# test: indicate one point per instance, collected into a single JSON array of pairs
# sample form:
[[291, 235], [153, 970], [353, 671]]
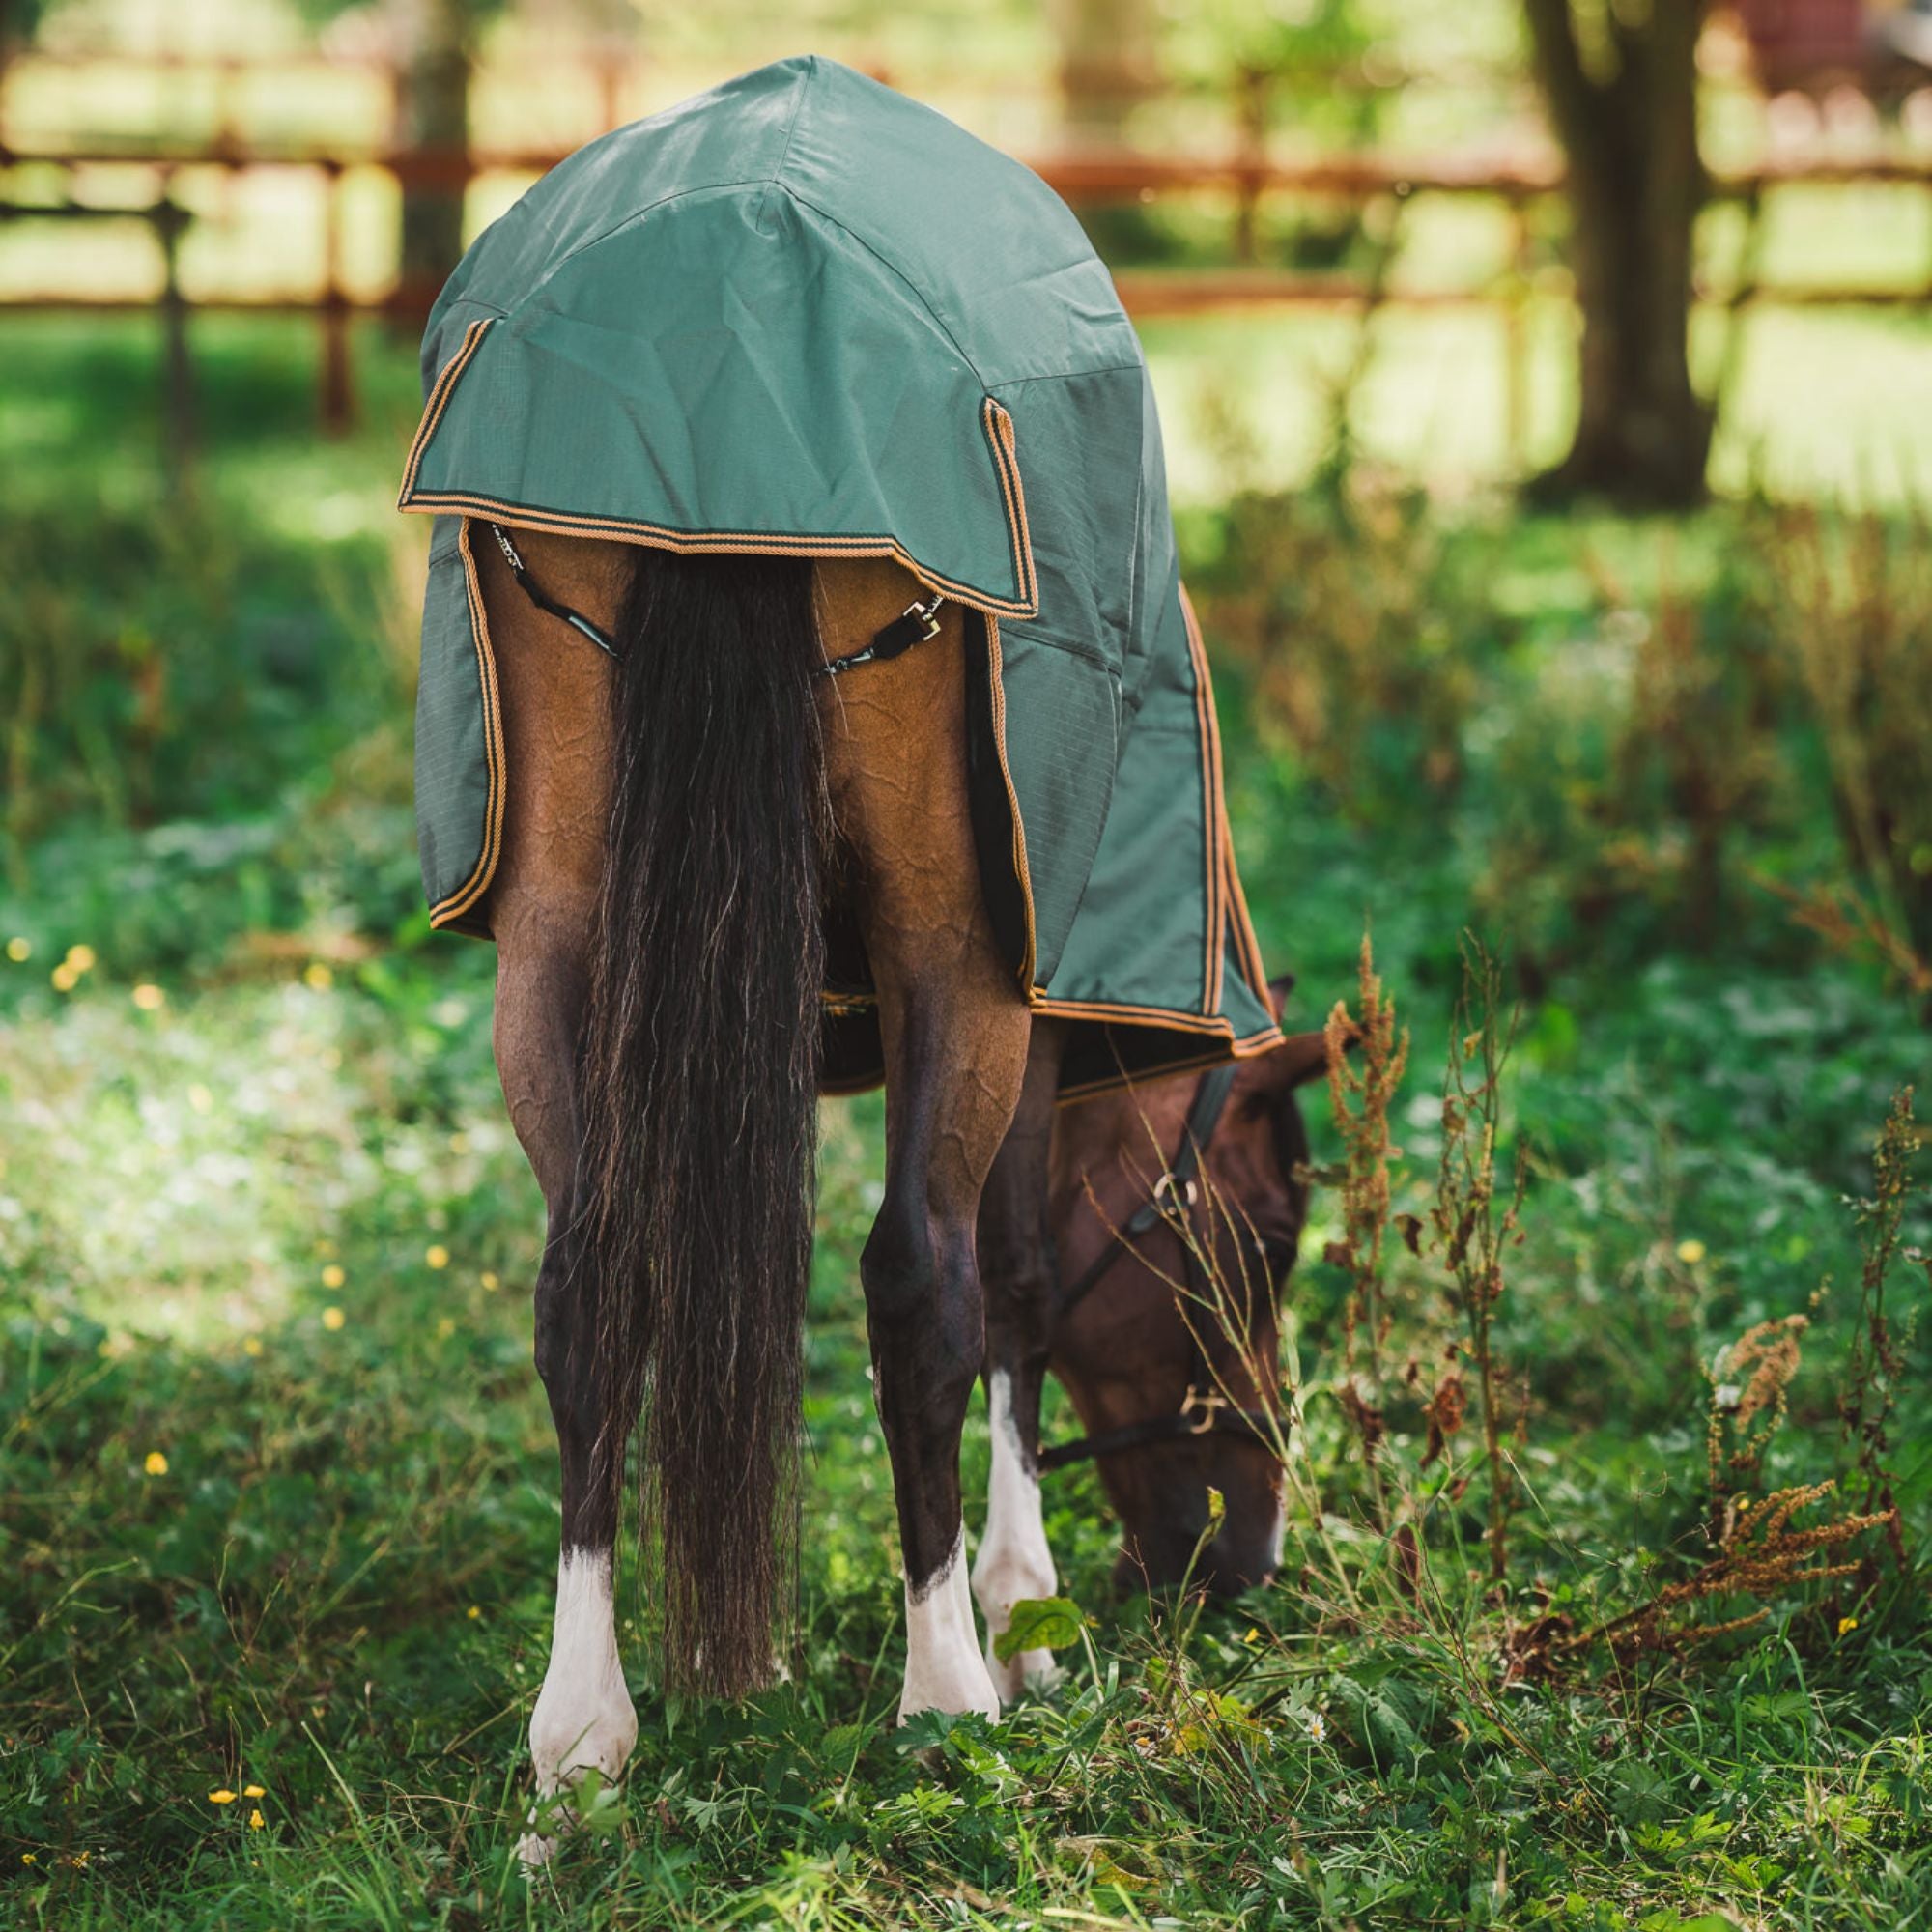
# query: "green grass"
[[340, 1586]]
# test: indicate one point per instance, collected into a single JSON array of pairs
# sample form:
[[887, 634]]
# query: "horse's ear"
[[1300, 1058], [1279, 989]]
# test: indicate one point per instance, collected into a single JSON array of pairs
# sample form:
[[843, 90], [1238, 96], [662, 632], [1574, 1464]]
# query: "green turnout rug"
[[802, 313]]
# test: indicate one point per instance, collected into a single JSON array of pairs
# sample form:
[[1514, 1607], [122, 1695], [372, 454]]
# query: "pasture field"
[[277, 1503]]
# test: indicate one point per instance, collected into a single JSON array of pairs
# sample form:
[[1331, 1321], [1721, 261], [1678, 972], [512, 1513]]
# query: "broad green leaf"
[[1039, 1623]]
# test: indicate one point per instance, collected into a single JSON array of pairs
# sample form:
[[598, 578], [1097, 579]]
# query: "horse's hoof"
[[1030, 1670]]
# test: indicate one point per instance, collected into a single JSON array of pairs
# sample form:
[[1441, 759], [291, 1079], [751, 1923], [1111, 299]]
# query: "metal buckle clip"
[[1199, 1410], [1163, 1191]]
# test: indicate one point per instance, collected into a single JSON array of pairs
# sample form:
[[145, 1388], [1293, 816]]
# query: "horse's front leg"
[[1016, 1262], [950, 1087]]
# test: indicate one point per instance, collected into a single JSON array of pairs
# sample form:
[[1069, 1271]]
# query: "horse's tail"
[[701, 1089]]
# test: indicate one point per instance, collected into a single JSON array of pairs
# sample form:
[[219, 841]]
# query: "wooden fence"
[[1380, 190]]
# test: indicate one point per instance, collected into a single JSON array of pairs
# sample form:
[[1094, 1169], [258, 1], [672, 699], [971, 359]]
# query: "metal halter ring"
[[1199, 1410]]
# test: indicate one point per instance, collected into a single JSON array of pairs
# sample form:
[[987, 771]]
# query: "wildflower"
[[156, 1463], [80, 958], [1847, 1625], [1318, 1727], [64, 977], [255, 1819], [149, 996], [445, 1328], [437, 1255], [333, 1319], [28, 1858], [332, 1275], [1691, 1253], [1251, 1635], [251, 1344], [222, 1796], [254, 1791], [475, 1612], [1744, 1503], [18, 949], [490, 1282], [319, 978], [459, 1143]]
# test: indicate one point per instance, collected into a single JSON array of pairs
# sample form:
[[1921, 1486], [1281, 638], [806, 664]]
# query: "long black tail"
[[701, 1083]]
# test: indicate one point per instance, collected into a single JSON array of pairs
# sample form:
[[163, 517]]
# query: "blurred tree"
[[1620, 81], [1108, 66], [437, 40], [440, 41]]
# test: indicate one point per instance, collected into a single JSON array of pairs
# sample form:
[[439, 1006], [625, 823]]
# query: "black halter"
[[915, 623], [1203, 1409]]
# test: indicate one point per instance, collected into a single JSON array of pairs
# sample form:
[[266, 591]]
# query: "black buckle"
[[915, 623]]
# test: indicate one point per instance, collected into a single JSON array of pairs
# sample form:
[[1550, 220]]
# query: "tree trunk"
[[1627, 119], [434, 119]]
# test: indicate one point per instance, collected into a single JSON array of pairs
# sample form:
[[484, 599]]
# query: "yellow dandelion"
[[157, 1464], [1691, 1253], [223, 1797], [1847, 1625], [490, 1282], [251, 1344], [333, 1319], [332, 1276], [255, 1820], [80, 958], [319, 976], [18, 949], [149, 996], [254, 1791], [64, 978], [475, 1612], [437, 1255]]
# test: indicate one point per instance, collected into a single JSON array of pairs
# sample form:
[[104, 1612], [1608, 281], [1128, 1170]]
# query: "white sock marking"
[[1014, 1560], [944, 1668], [584, 1718]]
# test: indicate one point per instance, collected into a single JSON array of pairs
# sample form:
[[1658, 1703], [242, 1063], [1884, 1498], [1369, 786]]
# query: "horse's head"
[[1156, 1330]]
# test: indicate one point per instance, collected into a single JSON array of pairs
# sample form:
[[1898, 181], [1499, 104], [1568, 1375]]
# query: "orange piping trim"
[[997, 667], [439, 394], [1234, 907], [477, 884], [751, 543], [998, 425], [1211, 806]]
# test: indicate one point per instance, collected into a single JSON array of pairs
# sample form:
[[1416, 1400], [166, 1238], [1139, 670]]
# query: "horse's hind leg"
[[955, 1033], [543, 910]]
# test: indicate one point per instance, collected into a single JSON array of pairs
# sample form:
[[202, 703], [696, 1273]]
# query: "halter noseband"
[[1203, 1409], [915, 623]]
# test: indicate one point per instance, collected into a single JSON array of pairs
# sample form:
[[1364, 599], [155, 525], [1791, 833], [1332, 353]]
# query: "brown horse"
[[688, 813]]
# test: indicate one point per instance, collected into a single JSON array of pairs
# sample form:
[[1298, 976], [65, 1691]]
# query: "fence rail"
[[1363, 182]]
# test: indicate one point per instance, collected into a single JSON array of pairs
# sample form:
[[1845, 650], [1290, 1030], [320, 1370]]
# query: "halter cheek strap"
[[915, 623], [1203, 1409]]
